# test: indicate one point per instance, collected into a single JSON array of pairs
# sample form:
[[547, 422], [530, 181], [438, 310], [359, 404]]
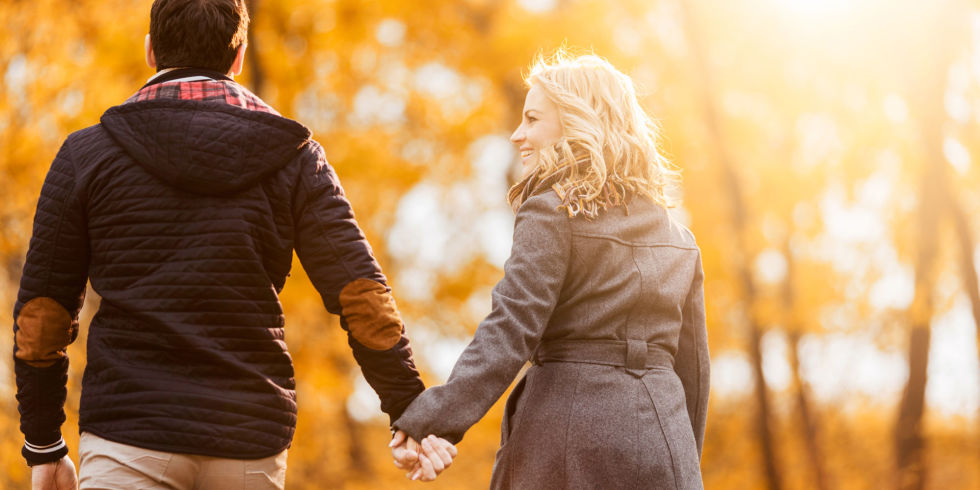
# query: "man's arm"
[[341, 265], [52, 289]]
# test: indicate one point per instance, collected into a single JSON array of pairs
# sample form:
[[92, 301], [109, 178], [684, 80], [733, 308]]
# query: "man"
[[183, 208]]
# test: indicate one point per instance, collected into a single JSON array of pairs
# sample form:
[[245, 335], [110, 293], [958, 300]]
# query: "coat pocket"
[[511, 410], [501, 469]]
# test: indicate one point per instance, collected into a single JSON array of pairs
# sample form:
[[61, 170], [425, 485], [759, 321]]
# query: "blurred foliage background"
[[827, 150]]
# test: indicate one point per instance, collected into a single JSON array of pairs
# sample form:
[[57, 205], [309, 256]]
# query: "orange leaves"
[[417, 100]]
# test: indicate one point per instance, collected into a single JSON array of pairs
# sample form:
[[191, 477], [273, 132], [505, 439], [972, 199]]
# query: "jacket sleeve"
[[341, 265], [692, 360], [52, 289], [523, 302]]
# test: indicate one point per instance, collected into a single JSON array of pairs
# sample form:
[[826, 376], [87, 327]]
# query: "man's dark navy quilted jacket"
[[184, 215]]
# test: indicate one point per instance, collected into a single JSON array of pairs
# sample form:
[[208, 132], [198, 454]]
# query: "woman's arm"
[[692, 362], [522, 305]]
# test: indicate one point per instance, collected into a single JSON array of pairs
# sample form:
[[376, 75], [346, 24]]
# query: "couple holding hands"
[[183, 208]]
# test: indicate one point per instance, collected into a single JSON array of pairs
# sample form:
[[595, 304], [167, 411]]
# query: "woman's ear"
[[151, 59]]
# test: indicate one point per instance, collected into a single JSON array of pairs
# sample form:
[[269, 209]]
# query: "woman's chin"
[[527, 166]]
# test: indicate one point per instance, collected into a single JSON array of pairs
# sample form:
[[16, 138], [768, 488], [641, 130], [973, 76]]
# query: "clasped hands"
[[423, 460]]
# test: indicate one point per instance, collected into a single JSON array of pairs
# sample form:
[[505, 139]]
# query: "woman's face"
[[540, 128]]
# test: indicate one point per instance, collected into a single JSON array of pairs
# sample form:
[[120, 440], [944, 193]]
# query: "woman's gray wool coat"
[[611, 313]]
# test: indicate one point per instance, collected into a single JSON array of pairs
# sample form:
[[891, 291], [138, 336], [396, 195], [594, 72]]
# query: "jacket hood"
[[204, 148]]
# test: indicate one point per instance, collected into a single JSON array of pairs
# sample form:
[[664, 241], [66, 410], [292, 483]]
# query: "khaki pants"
[[110, 465]]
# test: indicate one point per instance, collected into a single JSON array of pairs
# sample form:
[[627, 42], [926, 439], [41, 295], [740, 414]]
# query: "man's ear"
[[239, 63], [151, 59]]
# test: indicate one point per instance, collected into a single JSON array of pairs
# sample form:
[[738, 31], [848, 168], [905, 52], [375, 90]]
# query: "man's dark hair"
[[197, 33]]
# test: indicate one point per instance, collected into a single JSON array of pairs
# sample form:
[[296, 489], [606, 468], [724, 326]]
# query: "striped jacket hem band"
[[50, 448]]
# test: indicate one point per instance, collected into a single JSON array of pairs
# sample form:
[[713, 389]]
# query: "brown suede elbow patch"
[[371, 314], [44, 330]]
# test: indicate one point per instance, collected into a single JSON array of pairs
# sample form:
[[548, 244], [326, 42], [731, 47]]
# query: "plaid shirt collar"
[[215, 87]]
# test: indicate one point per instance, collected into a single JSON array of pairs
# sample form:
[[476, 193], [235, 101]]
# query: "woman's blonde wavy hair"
[[609, 147]]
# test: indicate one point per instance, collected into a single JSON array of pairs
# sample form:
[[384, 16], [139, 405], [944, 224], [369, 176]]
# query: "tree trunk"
[[935, 32], [358, 458], [968, 268], [909, 442], [763, 413], [743, 255], [359, 461], [808, 417]]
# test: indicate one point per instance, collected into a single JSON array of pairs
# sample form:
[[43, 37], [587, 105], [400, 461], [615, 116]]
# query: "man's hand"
[[58, 475], [436, 455], [405, 451]]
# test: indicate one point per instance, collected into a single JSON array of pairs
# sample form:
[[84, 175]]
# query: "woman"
[[602, 293]]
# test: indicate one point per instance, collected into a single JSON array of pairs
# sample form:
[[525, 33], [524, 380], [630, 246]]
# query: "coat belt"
[[635, 355]]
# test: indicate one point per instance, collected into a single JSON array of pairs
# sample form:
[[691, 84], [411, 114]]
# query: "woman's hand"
[[435, 456]]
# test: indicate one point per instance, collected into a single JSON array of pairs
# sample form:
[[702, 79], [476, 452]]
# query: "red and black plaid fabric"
[[205, 90]]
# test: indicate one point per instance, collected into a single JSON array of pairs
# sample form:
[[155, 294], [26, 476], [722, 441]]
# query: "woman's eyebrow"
[[529, 111]]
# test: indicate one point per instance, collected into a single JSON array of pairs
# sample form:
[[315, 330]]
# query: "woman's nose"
[[517, 136]]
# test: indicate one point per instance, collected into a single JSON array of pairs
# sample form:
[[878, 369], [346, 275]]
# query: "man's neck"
[[182, 74], [164, 71]]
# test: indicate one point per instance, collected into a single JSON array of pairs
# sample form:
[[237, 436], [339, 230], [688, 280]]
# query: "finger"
[[450, 447], [56, 477], [430, 453], [439, 451], [444, 447], [404, 456], [429, 472], [403, 451], [408, 451], [40, 476], [397, 439], [415, 472]]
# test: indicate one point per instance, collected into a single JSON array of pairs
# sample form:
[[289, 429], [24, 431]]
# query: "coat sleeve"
[[51, 293], [692, 360], [523, 302], [342, 267]]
